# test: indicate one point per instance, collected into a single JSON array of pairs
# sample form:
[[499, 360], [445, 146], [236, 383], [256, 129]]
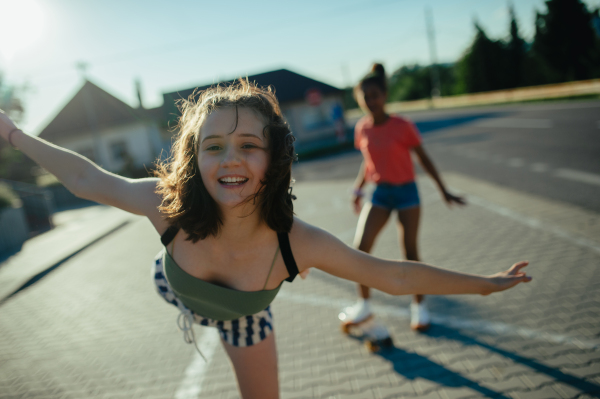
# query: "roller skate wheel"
[[372, 346], [345, 328]]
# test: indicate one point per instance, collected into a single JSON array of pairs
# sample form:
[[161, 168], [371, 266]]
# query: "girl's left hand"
[[508, 279], [450, 199]]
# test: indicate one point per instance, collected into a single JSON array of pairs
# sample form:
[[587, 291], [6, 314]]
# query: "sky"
[[181, 44]]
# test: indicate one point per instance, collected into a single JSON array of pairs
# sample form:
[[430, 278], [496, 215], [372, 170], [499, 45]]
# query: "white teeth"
[[232, 179]]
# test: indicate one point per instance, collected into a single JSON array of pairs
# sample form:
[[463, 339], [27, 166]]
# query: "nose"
[[230, 157]]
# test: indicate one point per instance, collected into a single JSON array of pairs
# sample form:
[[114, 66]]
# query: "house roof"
[[90, 107], [289, 86]]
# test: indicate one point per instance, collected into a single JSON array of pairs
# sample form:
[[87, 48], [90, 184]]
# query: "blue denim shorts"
[[396, 196]]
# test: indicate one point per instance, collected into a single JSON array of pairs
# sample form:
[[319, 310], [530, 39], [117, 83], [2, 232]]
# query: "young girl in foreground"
[[386, 142], [223, 208]]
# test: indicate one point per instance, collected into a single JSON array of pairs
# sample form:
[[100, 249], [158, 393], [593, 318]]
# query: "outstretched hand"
[[508, 279], [453, 199]]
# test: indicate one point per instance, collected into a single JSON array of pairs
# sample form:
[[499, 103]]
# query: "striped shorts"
[[245, 331]]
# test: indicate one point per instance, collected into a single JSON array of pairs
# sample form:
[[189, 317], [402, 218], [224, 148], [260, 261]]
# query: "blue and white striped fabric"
[[245, 331]]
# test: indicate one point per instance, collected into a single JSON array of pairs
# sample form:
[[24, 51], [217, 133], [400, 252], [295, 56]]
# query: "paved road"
[[93, 327]]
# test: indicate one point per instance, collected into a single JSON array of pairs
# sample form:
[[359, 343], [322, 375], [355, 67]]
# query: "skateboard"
[[373, 334]]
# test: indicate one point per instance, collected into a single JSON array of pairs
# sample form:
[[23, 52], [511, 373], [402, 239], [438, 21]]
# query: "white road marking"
[[191, 386], [516, 123], [578, 176], [480, 326], [535, 223], [539, 167]]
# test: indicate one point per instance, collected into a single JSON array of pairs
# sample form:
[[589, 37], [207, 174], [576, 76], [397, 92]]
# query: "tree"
[[483, 66], [10, 101], [413, 82], [566, 42], [13, 164], [516, 49]]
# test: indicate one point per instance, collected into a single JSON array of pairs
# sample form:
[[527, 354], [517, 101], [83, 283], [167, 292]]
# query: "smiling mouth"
[[233, 181]]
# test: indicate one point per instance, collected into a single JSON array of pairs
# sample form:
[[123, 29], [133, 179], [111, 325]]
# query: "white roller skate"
[[358, 321], [419, 317], [355, 315]]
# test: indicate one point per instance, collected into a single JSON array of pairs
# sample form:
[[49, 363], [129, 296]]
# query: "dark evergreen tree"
[[483, 66], [516, 49], [566, 42]]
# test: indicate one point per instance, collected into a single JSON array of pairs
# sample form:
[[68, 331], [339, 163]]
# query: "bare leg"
[[256, 368], [371, 221], [408, 228]]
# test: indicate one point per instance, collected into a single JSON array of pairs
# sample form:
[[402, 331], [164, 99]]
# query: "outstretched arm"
[[84, 178], [318, 248], [429, 167]]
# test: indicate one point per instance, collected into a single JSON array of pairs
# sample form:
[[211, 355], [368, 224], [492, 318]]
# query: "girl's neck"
[[380, 118], [241, 224]]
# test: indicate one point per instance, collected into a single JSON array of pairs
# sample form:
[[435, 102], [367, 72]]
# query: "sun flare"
[[22, 25]]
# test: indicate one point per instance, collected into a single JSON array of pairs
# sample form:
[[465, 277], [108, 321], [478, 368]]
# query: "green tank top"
[[217, 302]]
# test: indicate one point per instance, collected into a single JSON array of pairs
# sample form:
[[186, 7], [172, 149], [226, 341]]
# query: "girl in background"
[[386, 142]]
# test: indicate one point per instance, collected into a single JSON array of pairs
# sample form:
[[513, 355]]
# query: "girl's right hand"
[[508, 279], [6, 125]]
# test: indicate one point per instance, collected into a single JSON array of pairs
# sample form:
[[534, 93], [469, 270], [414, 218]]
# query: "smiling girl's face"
[[232, 162]]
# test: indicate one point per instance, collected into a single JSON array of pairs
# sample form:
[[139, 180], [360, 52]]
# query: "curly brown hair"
[[185, 201]]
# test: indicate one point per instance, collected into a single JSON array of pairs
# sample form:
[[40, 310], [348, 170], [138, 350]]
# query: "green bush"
[[7, 196]]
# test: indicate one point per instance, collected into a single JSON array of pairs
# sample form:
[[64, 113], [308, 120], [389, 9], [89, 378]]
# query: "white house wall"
[[142, 142]]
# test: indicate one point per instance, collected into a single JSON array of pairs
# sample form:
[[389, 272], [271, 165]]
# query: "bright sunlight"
[[22, 25]]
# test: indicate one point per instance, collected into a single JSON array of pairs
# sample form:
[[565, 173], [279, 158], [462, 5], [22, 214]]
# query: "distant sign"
[[314, 97]]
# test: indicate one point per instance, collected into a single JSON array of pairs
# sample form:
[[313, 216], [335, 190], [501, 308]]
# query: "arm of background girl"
[[429, 167], [358, 184], [84, 178], [314, 247]]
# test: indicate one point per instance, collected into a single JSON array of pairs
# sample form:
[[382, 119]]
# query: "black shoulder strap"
[[288, 257], [168, 235]]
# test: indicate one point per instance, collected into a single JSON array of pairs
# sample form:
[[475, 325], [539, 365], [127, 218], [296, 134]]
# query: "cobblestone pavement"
[[95, 328]]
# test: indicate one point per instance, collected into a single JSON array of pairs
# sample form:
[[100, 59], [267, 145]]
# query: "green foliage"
[[349, 102], [10, 100], [413, 82], [14, 165], [566, 42], [8, 198], [565, 48]]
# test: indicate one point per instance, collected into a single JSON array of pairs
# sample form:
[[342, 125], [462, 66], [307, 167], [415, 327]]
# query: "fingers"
[[514, 269]]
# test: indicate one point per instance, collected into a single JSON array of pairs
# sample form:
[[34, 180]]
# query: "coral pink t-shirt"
[[386, 149]]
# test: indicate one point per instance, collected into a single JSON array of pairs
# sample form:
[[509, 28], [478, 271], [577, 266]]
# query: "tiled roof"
[[106, 111]]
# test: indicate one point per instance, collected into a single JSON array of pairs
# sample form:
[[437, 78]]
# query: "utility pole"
[[435, 74]]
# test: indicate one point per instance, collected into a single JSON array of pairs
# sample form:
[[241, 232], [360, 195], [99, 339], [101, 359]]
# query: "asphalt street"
[[551, 149], [92, 325]]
